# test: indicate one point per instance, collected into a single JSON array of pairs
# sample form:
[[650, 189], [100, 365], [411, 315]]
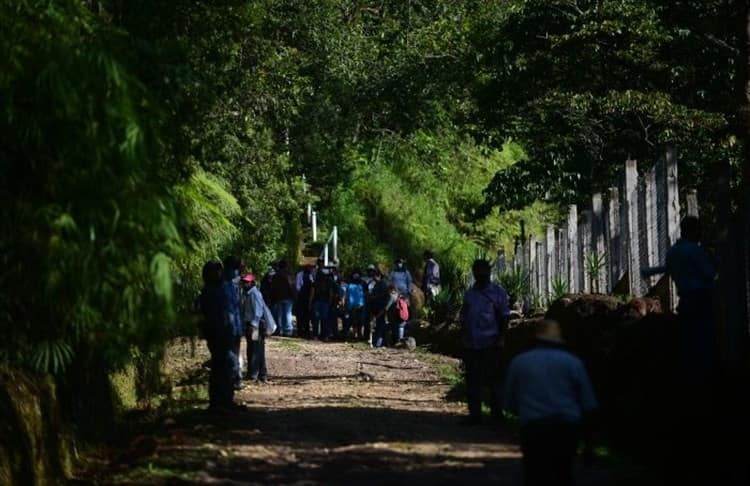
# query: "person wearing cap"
[[255, 330], [400, 277], [549, 390], [217, 331], [431, 278], [484, 316]]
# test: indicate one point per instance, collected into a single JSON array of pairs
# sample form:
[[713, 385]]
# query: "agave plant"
[[560, 288], [595, 263], [516, 283]]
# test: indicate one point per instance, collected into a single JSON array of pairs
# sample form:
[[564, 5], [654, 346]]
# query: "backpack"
[[402, 306], [355, 296]]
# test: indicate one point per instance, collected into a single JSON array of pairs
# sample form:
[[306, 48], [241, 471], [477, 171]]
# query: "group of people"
[[327, 304], [235, 304]]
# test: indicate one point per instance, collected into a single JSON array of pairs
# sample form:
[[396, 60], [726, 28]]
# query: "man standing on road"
[[549, 390], [401, 278], [283, 292], [217, 331], [431, 278], [254, 310], [484, 316], [232, 293]]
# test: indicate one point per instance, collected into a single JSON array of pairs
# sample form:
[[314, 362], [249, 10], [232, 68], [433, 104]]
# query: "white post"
[[309, 213], [325, 254], [673, 210], [597, 231], [585, 242], [631, 222], [615, 234], [652, 223], [551, 264], [539, 270], [692, 203], [533, 290], [336, 245], [315, 225], [573, 249], [673, 197]]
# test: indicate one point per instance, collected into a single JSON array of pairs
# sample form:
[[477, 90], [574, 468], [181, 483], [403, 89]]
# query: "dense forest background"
[[140, 138]]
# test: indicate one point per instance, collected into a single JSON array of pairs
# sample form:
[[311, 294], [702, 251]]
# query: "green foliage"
[[560, 288], [585, 85], [516, 283], [88, 225], [595, 264]]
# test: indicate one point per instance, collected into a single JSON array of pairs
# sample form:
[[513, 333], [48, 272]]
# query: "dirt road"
[[334, 413]]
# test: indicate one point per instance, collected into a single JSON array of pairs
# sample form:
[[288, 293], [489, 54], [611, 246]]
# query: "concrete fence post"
[[573, 261], [631, 225]]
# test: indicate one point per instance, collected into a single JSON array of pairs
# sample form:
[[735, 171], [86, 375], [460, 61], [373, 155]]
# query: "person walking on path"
[[217, 331], [378, 303], [484, 316], [431, 278], [322, 297], [232, 292], [548, 389], [303, 302], [354, 307], [398, 316], [254, 310], [400, 277], [265, 284], [283, 293]]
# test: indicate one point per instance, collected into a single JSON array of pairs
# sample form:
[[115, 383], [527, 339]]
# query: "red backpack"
[[402, 306]]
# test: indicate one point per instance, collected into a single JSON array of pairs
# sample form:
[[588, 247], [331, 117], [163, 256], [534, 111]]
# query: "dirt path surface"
[[334, 413]]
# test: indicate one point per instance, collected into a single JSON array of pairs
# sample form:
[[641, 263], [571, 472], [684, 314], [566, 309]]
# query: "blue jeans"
[[319, 318], [379, 339], [399, 329], [282, 312]]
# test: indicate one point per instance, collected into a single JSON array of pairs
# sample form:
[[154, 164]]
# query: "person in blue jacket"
[[232, 293], [401, 278], [354, 307], [218, 334]]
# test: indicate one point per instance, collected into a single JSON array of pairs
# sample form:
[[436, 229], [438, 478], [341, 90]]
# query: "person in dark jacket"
[[217, 331], [283, 293], [484, 316], [303, 300]]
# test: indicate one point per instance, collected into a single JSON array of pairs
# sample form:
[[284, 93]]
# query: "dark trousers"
[[482, 368], [256, 356], [355, 318], [220, 380], [549, 452], [303, 319]]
